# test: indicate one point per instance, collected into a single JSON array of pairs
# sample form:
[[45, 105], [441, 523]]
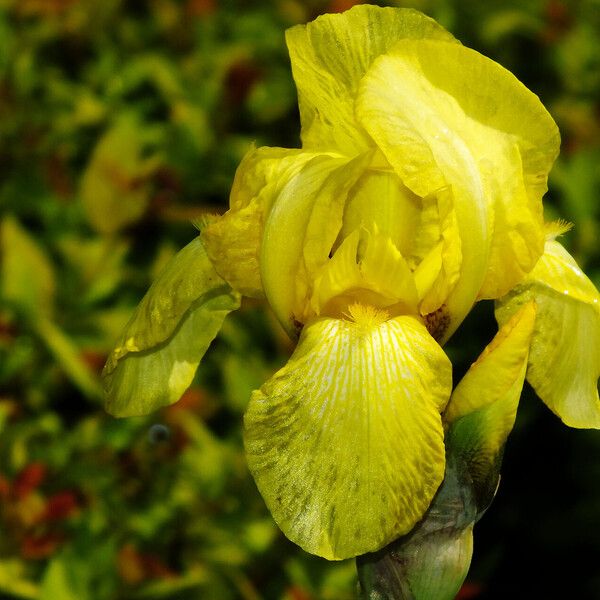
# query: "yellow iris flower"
[[417, 192]]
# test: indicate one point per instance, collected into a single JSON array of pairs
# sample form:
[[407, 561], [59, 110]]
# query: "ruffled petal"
[[445, 116], [329, 57], [155, 359], [367, 267], [564, 361], [345, 442]]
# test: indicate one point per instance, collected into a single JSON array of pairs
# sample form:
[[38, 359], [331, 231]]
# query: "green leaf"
[[68, 357], [13, 580], [98, 263], [155, 359], [21, 258], [66, 579], [115, 188]]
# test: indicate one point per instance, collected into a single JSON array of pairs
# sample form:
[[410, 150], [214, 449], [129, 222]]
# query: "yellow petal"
[[498, 369], [233, 241], [301, 229], [380, 199], [345, 442], [437, 251], [329, 57], [482, 410], [445, 116], [155, 359], [564, 361], [367, 268]]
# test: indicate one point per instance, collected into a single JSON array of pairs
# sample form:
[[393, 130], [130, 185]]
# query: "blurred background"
[[120, 123]]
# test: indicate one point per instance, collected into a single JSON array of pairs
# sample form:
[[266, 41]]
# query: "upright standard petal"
[[445, 116], [345, 442], [155, 359], [564, 361], [329, 57], [482, 410]]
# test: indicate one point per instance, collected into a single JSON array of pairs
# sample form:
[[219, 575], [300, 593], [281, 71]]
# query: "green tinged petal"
[[445, 116], [482, 410], [345, 442], [155, 359], [564, 361], [329, 57], [432, 561]]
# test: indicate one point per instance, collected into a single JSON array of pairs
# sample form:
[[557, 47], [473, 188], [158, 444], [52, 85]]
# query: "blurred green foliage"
[[120, 123]]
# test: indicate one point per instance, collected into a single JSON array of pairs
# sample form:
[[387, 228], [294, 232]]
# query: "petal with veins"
[[345, 442], [330, 56], [156, 357]]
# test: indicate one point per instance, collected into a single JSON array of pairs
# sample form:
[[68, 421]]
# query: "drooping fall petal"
[[156, 357], [345, 442], [329, 57], [445, 116], [564, 361]]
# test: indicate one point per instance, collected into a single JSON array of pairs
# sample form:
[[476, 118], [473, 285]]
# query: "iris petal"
[[564, 361], [367, 267], [233, 241], [329, 57], [345, 442], [445, 116], [301, 230], [156, 357]]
